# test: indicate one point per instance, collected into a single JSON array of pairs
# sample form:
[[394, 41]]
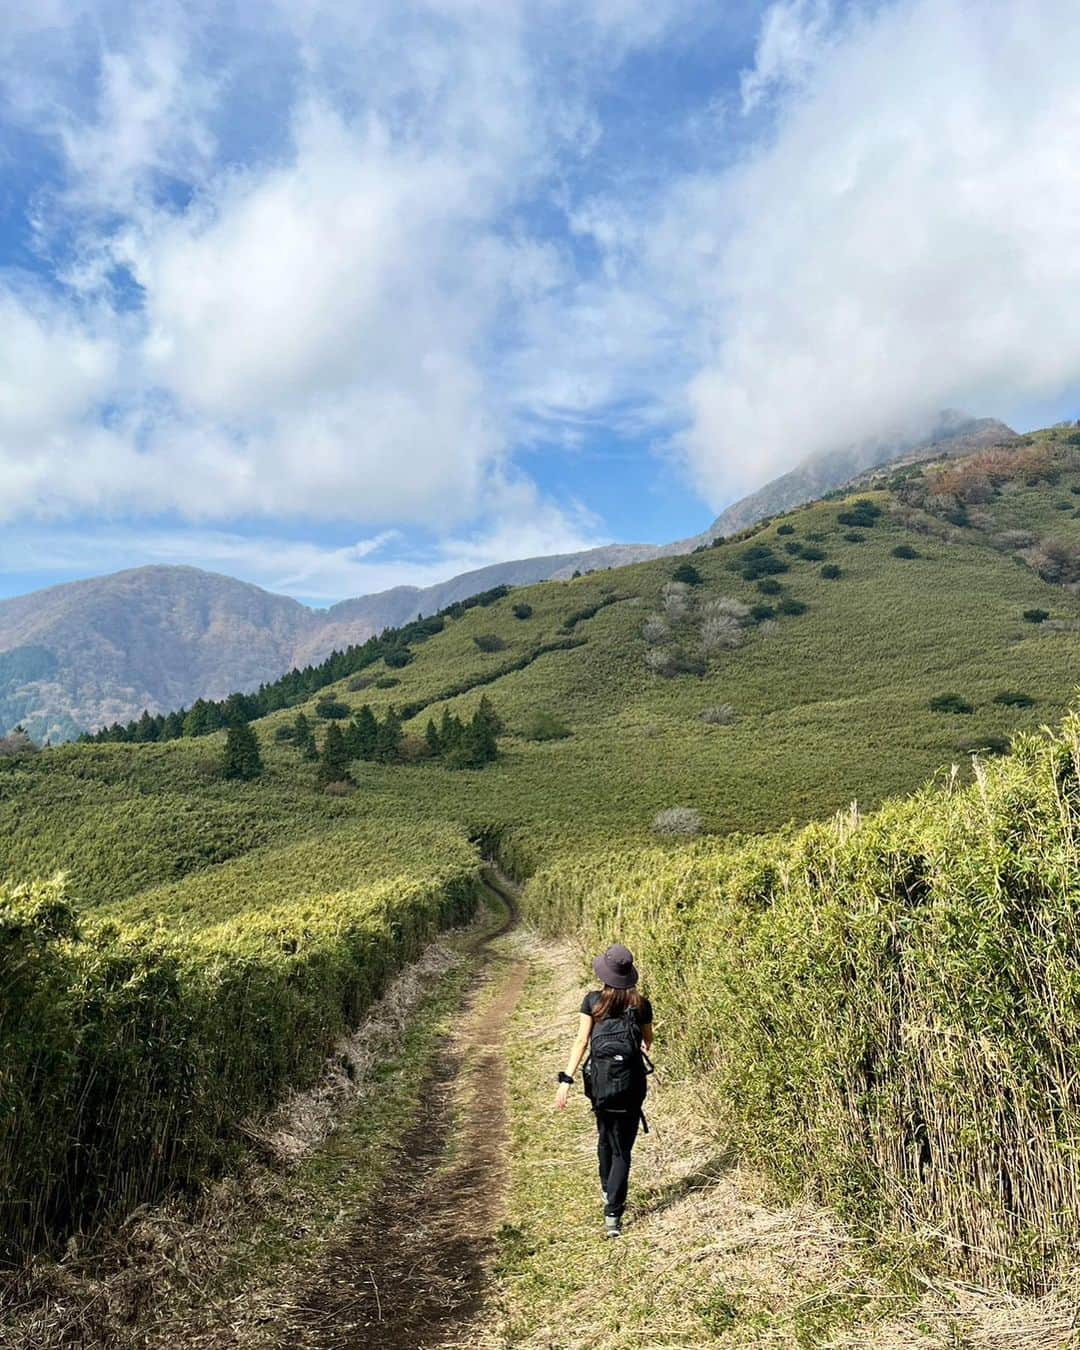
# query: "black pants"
[[616, 1132]]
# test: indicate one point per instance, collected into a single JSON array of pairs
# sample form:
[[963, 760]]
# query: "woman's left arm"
[[577, 1054]]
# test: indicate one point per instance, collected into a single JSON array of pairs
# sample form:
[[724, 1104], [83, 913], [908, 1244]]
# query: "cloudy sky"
[[331, 295]]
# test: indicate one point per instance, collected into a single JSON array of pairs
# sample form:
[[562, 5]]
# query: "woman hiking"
[[616, 1029]]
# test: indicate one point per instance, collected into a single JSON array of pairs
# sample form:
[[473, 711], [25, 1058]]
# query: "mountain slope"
[[84, 655], [954, 434]]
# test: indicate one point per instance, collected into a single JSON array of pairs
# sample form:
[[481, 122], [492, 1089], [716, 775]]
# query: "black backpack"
[[615, 1074]]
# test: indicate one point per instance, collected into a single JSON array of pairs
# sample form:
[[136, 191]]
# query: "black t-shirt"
[[642, 1014]]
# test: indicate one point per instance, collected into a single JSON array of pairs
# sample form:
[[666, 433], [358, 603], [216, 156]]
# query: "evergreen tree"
[[487, 714], [304, 737], [431, 735], [241, 758], [334, 760], [388, 740], [366, 733]]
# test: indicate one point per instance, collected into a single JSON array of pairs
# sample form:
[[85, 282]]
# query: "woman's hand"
[[561, 1095]]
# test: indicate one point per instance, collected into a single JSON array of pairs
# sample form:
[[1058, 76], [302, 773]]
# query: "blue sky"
[[332, 297]]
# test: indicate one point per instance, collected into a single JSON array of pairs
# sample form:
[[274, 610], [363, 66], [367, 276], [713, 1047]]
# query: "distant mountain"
[[88, 653], [953, 434], [79, 656]]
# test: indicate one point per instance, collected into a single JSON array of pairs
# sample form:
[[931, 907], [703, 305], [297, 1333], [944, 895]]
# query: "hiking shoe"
[[612, 1226]]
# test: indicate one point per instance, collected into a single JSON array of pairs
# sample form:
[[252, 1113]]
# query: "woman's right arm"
[[577, 1054]]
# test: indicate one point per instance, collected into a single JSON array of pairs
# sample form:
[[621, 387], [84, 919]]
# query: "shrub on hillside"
[[789, 605], [681, 822], [523, 610], [1036, 615], [760, 613], [544, 726], [721, 633], [905, 551], [398, 658], [769, 586], [950, 703], [332, 709], [785, 529], [1056, 561], [1014, 698], [760, 561], [861, 514], [15, 743], [854, 537], [722, 715], [359, 683], [1010, 540], [811, 553], [676, 602], [285, 734], [489, 642], [341, 789], [688, 574], [655, 630], [831, 572], [658, 661], [725, 606], [386, 681]]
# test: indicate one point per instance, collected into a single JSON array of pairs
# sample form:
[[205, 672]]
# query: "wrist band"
[[565, 1078]]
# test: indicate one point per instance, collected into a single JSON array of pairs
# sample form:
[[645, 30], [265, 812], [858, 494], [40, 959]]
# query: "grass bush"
[[950, 703], [831, 572], [489, 642], [1036, 615], [332, 709], [398, 658], [387, 682], [905, 551], [131, 1056], [886, 1008], [1014, 698], [722, 715], [769, 586], [785, 529], [522, 610], [544, 726], [677, 822]]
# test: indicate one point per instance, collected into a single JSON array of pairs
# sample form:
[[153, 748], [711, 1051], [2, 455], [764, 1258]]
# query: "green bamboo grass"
[[884, 1007], [130, 1058]]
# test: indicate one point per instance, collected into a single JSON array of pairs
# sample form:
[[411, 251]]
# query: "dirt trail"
[[414, 1265]]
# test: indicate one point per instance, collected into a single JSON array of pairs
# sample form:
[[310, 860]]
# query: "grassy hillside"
[[851, 650]]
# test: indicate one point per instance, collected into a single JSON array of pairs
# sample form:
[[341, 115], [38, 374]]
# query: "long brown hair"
[[615, 1002]]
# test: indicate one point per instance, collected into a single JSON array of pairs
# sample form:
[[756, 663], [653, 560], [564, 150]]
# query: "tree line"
[[204, 716]]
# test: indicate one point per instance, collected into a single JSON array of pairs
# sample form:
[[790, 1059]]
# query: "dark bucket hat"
[[616, 968]]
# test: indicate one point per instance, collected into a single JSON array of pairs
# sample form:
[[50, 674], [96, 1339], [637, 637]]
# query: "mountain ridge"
[[83, 654]]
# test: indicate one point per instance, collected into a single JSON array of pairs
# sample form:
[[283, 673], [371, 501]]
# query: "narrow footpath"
[[411, 1270]]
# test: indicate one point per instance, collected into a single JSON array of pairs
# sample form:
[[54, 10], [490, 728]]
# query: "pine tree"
[[491, 719], [334, 760], [304, 737], [366, 734], [241, 758], [431, 735], [388, 741]]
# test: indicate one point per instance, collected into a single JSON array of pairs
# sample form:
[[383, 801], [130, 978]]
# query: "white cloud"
[[909, 239], [316, 572], [790, 43]]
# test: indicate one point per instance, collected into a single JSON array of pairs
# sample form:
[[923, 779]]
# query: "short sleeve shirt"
[[644, 1014]]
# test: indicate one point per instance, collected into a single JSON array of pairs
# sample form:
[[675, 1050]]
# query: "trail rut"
[[413, 1266]]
